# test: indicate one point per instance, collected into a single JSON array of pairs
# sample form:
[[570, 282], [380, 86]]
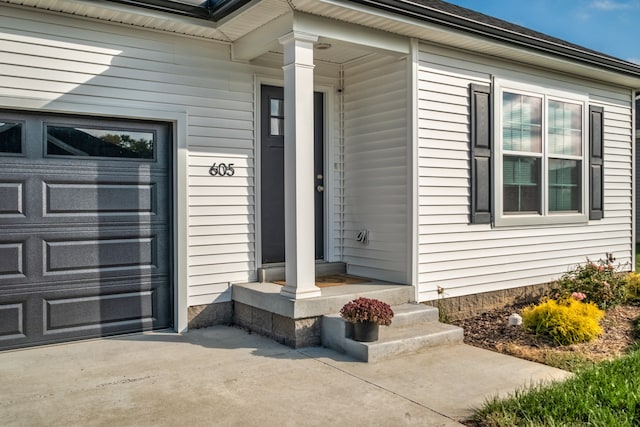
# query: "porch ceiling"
[[334, 51]]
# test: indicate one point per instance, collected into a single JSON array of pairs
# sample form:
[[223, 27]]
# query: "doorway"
[[272, 173]]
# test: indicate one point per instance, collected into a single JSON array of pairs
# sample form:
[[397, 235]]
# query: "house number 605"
[[222, 169]]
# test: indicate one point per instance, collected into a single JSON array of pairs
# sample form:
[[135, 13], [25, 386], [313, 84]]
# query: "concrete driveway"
[[224, 376]]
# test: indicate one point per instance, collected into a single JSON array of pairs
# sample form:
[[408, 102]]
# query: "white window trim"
[[546, 218]]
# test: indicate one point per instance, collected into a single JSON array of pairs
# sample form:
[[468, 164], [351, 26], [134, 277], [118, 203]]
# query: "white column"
[[300, 269]]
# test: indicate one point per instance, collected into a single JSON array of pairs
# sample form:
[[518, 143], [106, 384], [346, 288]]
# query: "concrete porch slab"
[[266, 296]]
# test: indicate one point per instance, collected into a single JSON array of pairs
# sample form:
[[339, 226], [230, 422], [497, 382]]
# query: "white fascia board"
[[261, 40], [352, 33]]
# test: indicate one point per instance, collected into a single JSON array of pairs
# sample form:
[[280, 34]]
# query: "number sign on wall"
[[222, 169]]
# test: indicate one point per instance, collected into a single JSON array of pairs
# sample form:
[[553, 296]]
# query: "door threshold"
[[276, 271]]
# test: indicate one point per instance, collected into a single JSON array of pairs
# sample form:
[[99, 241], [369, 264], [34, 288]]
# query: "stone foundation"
[[295, 333], [203, 316], [456, 308], [306, 332]]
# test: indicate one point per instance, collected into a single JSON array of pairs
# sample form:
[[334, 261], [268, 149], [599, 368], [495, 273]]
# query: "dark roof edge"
[[432, 15], [205, 11]]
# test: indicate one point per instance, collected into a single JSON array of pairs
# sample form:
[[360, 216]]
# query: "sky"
[[607, 26]]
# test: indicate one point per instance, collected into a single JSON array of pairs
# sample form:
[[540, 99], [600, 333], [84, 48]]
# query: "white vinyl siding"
[[462, 258], [375, 168]]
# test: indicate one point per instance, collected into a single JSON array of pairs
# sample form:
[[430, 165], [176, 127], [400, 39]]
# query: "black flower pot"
[[365, 331]]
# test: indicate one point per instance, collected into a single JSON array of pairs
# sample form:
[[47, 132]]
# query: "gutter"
[[468, 25]]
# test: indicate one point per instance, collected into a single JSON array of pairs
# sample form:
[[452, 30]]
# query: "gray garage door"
[[84, 228]]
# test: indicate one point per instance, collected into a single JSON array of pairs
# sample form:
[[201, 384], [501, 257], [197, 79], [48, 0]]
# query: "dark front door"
[[84, 228], [272, 173]]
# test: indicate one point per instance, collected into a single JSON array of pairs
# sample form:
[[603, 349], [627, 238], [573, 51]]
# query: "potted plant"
[[366, 315]]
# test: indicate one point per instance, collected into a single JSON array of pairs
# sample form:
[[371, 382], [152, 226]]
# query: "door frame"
[[328, 92]]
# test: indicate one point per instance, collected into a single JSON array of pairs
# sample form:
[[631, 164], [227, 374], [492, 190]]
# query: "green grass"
[[607, 394], [568, 361]]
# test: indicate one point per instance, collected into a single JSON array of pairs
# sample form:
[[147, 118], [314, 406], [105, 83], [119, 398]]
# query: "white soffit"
[[247, 19], [255, 16]]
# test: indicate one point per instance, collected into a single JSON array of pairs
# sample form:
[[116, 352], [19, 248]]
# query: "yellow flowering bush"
[[566, 320]]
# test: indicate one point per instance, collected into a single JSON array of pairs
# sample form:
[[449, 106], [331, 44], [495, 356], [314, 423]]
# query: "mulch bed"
[[491, 331]]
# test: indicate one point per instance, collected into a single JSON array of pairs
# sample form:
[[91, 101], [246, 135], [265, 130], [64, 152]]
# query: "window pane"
[[564, 185], [565, 128], [277, 107], [10, 137], [277, 127], [522, 123], [521, 185], [75, 141]]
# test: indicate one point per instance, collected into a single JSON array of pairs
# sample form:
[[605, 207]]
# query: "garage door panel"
[[56, 316], [11, 199], [12, 258], [100, 255], [52, 200], [71, 314], [99, 198], [12, 321], [31, 255]]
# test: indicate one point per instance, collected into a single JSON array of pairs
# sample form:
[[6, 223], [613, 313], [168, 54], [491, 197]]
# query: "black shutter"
[[596, 162], [481, 149]]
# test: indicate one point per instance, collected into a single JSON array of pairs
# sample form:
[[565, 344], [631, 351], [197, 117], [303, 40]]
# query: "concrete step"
[[411, 314], [415, 327]]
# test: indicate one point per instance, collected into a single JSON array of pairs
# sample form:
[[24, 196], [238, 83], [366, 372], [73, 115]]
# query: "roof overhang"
[[251, 25], [407, 18], [410, 9]]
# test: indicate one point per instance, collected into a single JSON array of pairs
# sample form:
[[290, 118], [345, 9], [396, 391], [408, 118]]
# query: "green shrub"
[[566, 321], [632, 287], [600, 282]]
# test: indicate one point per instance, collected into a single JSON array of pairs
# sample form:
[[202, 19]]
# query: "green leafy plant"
[[367, 310], [632, 286], [601, 283], [636, 328], [566, 321]]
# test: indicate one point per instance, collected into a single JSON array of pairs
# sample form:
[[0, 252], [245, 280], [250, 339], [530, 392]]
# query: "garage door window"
[[10, 137], [96, 142]]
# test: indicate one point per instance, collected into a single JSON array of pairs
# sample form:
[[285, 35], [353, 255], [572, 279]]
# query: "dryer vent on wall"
[[363, 237]]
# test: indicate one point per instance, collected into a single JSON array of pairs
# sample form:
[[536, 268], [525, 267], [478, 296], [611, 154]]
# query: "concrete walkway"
[[224, 376]]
